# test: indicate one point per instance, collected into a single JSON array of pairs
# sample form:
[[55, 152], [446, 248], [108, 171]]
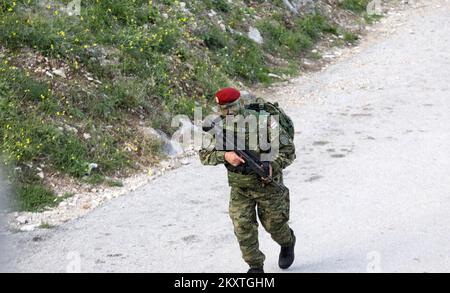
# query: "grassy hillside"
[[75, 90]]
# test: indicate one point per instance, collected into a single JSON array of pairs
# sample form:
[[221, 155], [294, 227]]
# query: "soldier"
[[251, 196]]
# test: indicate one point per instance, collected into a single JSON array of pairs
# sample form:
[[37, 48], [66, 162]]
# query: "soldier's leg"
[[243, 215], [273, 211]]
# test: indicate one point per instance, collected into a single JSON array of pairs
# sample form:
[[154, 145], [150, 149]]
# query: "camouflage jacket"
[[286, 155]]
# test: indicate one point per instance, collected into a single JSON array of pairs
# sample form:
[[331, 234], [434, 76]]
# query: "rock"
[[274, 75], [183, 7], [176, 165], [59, 72], [212, 13], [185, 162], [92, 166], [71, 129], [28, 228], [22, 220], [151, 133], [165, 164], [41, 174], [255, 35]]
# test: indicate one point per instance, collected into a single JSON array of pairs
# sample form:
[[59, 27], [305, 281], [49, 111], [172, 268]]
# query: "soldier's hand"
[[233, 159]]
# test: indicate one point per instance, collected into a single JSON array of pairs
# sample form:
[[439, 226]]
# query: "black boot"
[[255, 270], [287, 255]]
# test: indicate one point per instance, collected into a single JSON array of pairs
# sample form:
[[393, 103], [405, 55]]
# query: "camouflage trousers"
[[272, 209]]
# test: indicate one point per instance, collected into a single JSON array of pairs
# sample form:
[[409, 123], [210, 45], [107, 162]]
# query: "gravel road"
[[370, 190]]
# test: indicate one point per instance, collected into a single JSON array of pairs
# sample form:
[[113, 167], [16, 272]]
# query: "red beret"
[[227, 95]]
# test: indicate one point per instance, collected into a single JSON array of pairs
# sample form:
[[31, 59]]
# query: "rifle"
[[254, 164]]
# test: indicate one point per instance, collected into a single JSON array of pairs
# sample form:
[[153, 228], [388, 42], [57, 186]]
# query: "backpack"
[[274, 109]]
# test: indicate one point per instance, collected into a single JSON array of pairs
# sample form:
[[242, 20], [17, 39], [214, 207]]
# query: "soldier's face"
[[230, 109]]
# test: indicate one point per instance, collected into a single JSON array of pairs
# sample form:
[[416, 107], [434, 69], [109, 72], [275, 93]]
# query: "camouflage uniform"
[[251, 197]]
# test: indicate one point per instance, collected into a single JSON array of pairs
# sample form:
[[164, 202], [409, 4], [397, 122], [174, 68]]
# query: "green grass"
[[150, 61], [351, 37], [45, 225], [95, 179], [370, 19], [292, 41], [35, 198], [358, 6], [113, 183]]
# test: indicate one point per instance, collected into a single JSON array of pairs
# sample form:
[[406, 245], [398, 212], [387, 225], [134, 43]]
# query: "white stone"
[[92, 166], [41, 175], [185, 162], [60, 72], [22, 220], [274, 75], [255, 35], [28, 228], [212, 13], [71, 129], [165, 164]]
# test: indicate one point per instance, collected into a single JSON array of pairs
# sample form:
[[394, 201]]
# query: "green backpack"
[[274, 109]]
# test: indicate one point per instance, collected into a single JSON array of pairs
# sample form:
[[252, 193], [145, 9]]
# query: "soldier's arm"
[[212, 157]]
